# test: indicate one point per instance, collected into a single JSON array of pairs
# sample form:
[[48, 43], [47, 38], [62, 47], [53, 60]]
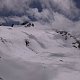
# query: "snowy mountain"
[[37, 53], [39, 39]]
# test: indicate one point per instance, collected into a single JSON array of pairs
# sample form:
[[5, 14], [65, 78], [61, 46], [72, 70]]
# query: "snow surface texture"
[[37, 53], [41, 52]]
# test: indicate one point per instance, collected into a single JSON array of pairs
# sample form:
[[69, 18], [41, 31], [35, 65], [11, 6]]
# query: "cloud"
[[61, 22], [21, 6], [38, 10], [77, 3]]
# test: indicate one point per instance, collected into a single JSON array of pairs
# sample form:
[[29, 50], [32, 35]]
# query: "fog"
[[16, 11]]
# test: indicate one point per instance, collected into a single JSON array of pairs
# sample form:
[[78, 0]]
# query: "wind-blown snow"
[[39, 52], [47, 57]]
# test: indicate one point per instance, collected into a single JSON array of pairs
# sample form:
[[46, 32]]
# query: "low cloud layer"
[[37, 10]]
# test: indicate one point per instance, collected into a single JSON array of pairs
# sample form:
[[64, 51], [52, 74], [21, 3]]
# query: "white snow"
[[48, 56]]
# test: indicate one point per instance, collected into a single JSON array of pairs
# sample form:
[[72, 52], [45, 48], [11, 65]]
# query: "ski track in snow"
[[44, 59]]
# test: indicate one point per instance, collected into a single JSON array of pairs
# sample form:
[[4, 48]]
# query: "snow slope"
[[47, 57]]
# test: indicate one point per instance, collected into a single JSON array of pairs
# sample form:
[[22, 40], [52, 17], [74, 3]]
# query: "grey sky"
[[35, 9]]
